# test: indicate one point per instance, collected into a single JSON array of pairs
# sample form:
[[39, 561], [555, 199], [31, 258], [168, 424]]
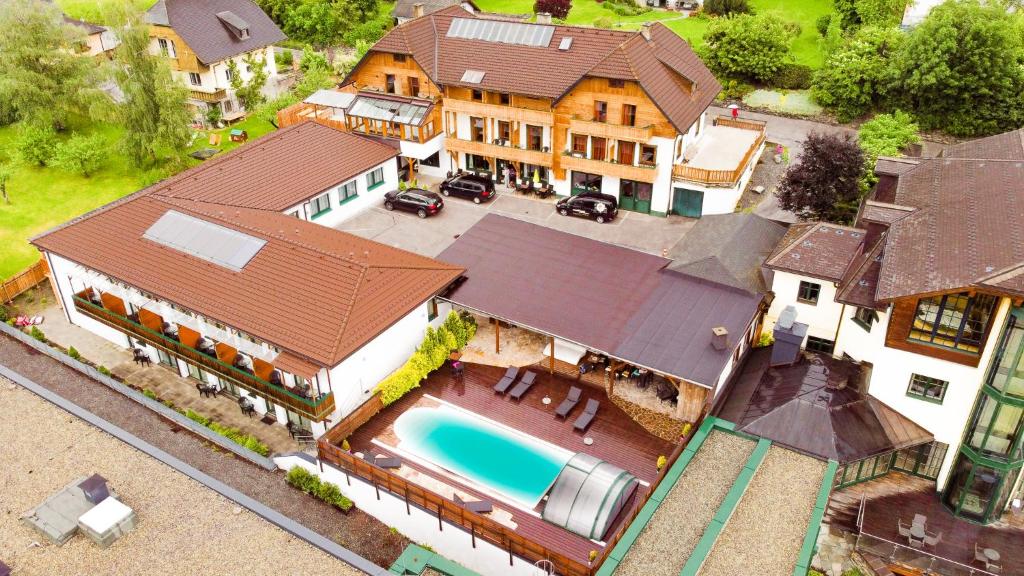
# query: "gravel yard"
[[671, 535], [182, 527], [357, 531], [767, 529]]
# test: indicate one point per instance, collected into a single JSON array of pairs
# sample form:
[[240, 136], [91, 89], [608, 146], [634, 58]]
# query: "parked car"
[[476, 188], [417, 200], [601, 207]]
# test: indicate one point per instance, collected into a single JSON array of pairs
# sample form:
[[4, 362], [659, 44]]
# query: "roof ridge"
[[346, 312]]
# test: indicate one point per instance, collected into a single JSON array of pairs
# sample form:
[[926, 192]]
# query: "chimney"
[[719, 338], [417, 10], [543, 18], [645, 30], [788, 335]]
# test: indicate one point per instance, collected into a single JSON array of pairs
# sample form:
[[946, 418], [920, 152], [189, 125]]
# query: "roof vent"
[[839, 232], [787, 317], [989, 268], [472, 76], [565, 44], [235, 23], [855, 234], [808, 243], [543, 18], [864, 283], [719, 338], [795, 255]]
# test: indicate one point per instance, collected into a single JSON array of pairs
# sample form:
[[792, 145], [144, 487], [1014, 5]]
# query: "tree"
[[36, 143], [154, 113], [726, 7], [857, 75], [880, 12], [962, 69], [824, 184], [750, 46], [42, 78], [885, 135], [249, 92], [312, 59], [557, 8], [80, 154]]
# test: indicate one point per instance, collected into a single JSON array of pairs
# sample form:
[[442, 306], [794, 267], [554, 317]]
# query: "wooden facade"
[[624, 171], [185, 60], [373, 70], [897, 336]]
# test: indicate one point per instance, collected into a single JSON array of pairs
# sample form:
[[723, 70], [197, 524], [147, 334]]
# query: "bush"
[[150, 394], [80, 154], [661, 462], [792, 76], [36, 333], [822, 23], [74, 353], [726, 7], [735, 90], [625, 7], [747, 46], [557, 8], [604, 22], [5, 315], [857, 75], [36, 144], [885, 135], [284, 58], [311, 484], [195, 417], [103, 370]]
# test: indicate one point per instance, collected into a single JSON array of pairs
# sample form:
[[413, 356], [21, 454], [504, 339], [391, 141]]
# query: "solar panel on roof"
[[211, 242], [499, 31], [472, 76]]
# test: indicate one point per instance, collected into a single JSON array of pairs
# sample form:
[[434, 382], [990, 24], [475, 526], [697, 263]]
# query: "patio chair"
[[506, 381], [932, 539], [919, 520], [524, 385], [570, 402], [979, 554], [478, 506], [904, 529], [589, 411]]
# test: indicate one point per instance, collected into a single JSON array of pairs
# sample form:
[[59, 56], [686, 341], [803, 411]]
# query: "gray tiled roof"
[[207, 35]]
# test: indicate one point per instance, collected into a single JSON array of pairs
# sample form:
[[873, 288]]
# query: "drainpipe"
[[842, 313]]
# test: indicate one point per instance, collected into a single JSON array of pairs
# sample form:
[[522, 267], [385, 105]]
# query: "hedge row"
[[311, 484]]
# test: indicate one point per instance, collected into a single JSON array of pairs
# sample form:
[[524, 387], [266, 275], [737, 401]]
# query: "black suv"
[[476, 188], [600, 207], [422, 202]]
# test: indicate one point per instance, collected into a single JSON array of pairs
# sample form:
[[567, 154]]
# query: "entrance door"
[[635, 196], [688, 203]]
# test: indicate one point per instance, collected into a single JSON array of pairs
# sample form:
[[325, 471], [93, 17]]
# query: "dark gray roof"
[[89, 27], [404, 8], [729, 249], [610, 299], [207, 34]]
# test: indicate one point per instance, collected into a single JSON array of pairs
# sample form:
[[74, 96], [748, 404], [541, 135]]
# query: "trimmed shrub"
[[311, 484], [557, 8], [821, 24], [792, 76], [36, 333], [81, 155], [36, 144], [74, 353], [195, 417]]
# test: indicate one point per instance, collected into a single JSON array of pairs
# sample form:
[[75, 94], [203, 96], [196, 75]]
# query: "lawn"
[[96, 10], [584, 12]]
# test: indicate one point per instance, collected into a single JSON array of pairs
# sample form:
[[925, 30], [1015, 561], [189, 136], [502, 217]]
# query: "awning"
[[566, 351], [296, 365], [331, 98]]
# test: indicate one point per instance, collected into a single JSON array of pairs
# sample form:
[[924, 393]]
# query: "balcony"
[[527, 115], [611, 131], [204, 96], [315, 409], [626, 171], [722, 154], [535, 157]]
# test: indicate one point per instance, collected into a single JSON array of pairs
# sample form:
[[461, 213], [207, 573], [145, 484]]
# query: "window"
[[432, 160], [583, 182], [626, 150], [534, 137], [504, 130], [815, 344], [228, 106], [476, 129], [927, 388], [389, 83], [346, 192], [166, 47], [505, 99], [195, 79], [597, 148], [194, 372], [579, 144], [600, 111], [414, 86], [648, 155], [319, 205], [628, 115], [375, 178], [957, 321], [399, 57], [229, 74], [808, 292], [615, 83], [865, 317], [478, 95], [165, 358], [431, 309]]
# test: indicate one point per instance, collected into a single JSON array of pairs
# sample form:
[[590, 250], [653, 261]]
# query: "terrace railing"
[[916, 559], [726, 178], [316, 409]]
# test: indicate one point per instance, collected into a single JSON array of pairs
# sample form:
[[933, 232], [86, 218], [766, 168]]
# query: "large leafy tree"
[[249, 92], [746, 45], [962, 69], [154, 113], [885, 135], [857, 74], [825, 183], [42, 78]]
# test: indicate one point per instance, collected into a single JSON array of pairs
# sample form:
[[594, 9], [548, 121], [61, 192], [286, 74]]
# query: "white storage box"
[[107, 521]]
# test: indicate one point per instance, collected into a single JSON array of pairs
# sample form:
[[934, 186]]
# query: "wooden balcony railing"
[[498, 112], [628, 171], [315, 409], [611, 131], [203, 96], [535, 157], [724, 178]]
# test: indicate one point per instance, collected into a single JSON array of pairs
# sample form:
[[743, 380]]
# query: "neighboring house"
[[200, 37], [300, 317], [406, 10], [579, 108], [98, 39], [928, 290]]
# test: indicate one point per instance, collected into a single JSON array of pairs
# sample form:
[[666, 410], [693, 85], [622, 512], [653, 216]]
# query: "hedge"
[[311, 484], [234, 434]]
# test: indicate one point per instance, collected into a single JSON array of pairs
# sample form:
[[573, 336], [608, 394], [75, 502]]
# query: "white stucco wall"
[[339, 212], [822, 318]]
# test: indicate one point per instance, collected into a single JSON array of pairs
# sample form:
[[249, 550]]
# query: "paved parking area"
[[431, 236]]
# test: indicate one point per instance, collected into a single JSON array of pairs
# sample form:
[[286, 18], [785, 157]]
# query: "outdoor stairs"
[[841, 513], [878, 566]]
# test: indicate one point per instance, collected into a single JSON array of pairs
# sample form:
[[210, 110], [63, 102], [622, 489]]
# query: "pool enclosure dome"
[[587, 496]]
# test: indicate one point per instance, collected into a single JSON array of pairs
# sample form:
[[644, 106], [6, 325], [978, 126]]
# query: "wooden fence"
[[304, 112], [24, 280]]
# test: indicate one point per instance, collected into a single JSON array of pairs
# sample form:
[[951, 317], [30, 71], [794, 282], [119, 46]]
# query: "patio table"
[[991, 554], [917, 531]]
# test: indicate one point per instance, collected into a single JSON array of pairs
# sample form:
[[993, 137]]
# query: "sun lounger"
[[589, 411], [570, 402], [478, 506], [524, 385], [388, 462], [506, 381]]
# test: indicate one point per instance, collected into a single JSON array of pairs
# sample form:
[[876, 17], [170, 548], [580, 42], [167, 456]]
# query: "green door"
[[635, 196], [687, 202]]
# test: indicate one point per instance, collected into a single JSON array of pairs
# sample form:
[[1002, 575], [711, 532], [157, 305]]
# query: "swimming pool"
[[513, 464]]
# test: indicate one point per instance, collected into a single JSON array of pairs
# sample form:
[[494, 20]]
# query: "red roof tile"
[[819, 250]]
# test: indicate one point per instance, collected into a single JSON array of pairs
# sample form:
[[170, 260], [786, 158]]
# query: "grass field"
[[97, 11]]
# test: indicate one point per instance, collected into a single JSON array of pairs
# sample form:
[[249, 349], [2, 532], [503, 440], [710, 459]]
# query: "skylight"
[[566, 43], [473, 76], [211, 242]]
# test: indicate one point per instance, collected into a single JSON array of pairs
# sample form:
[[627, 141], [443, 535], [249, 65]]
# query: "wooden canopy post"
[[497, 336], [551, 362]]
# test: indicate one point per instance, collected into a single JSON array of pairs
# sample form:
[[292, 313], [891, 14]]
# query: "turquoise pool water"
[[515, 465]]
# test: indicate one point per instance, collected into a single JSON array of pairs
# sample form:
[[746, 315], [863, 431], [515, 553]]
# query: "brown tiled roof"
[[405, 8], [280, 170], [1005, 146], [819, 250], [197, 23], [894, 166], [860, 282], [882, 212], [665, 66]]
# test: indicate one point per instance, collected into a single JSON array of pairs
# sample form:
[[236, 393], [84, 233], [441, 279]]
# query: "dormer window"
[[235, 23]]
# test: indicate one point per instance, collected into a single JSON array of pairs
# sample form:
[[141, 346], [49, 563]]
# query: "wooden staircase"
[[841, 512]]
